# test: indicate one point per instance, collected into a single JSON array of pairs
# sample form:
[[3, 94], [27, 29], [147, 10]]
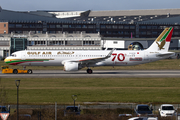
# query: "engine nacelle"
[[72, 66]]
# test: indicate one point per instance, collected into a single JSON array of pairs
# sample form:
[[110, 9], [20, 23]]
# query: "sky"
[[83, 5]]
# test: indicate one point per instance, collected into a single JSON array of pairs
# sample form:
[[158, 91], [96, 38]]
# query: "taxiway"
[[96, 73]]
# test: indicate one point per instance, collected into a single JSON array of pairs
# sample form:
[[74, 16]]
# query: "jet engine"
[[72, 66]]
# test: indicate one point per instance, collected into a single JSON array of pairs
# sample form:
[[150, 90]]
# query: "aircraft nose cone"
[[6, 60]]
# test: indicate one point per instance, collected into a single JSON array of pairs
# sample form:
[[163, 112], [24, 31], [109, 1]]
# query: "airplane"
[[74, 60]]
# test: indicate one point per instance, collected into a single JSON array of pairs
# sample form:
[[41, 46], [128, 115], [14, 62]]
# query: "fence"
[[39, 112]]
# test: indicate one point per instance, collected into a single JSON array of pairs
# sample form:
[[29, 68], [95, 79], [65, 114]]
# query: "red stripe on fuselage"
[[16, 63]]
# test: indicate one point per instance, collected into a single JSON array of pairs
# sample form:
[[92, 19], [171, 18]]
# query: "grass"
[[169, 64], [139, 90], [48, 91]]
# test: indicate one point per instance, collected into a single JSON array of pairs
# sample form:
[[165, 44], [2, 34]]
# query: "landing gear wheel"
[[29, 71], [89, 71], [15, 71]]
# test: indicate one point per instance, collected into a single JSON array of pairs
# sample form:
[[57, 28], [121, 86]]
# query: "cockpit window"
[[13, 55]]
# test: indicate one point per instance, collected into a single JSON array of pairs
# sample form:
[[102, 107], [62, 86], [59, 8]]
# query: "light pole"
[[74, 97], [17, 82]]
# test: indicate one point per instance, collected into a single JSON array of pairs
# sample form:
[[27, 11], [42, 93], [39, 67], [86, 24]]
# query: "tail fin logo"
[[161, 45], [163, 41]]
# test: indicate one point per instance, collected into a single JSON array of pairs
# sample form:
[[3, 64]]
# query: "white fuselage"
[[56, 58], [75, 60]]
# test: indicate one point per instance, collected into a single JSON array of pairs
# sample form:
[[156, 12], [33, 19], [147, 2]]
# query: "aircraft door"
[[23, 55], [146, 56]]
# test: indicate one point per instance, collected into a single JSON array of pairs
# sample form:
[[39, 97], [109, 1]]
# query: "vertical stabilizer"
[[163, 41]]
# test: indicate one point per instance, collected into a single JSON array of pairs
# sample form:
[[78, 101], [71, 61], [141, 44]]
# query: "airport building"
[[84, 30]]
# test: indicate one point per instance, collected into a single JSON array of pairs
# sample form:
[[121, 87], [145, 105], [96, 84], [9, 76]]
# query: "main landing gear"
[[89, 71]]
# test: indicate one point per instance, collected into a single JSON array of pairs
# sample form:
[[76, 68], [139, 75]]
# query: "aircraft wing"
[[93, 60], [165, 54]]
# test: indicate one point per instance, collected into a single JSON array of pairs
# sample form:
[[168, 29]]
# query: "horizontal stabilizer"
[[166, 54]]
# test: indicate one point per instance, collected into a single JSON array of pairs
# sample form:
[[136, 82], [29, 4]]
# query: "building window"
[[161, 27], [115, 42], [43, 42], [32, 25], [18, 25], [176, 27], [65, 26], [18, 32], [29, 43], [58, 26], [38, 26], [132, 27], [52, 32], [120, 27], [4, 25], [154, 33], [143, 33], [108, 26], [84, 26], [126, 27], [108, 32], [78, 26], [72, 26], [148, 32], [52, 26], [25, 26], [114, 32], [32, 42], [103, 26], [11, 25], [120, 32], [142, 27], [90, 26], [127, 33], [114, 26], [149, 27], [88, 42], [154, 27], [5, 53], [38, 31], [176, 33]]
